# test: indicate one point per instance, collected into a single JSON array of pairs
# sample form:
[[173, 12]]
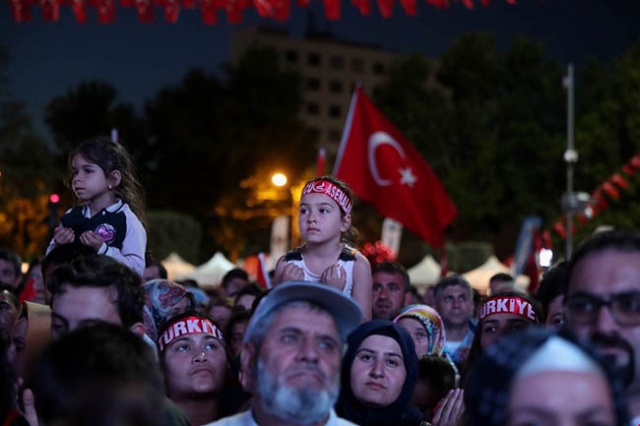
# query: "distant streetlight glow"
[[279, 179]]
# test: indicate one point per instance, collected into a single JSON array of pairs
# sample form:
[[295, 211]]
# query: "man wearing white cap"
[[291, 356]]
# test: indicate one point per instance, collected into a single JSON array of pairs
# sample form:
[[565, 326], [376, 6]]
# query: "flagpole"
[[347, 127], [570, 157]]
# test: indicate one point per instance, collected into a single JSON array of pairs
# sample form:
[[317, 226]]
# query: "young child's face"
[[88, 179], [320, 218]]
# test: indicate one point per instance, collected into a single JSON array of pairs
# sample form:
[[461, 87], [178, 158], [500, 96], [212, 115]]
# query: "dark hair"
[[101, 374], [450, 281], [251, 289], [149, 261], [62, 254], [476, 349], [393, 268], [551, 286], [624, 241], [234, 273], [111, 156], [486, 395], [439, 374], [501, 277], [102, 271], [237, 316], [350, 236]]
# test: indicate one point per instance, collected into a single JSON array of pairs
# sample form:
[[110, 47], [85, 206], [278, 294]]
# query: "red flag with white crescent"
[[383, 169]]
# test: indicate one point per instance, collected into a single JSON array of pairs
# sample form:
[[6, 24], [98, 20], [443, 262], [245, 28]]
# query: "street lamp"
[[279, 179]]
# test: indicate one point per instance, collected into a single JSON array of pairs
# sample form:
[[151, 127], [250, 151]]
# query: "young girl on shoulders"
[[111, 214], [325, 256]]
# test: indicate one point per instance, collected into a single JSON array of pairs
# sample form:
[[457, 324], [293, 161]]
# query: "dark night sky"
[[138, 59]]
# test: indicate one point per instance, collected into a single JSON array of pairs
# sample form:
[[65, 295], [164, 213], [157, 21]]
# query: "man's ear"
[[115, 177], [248, 357], [137, 328]]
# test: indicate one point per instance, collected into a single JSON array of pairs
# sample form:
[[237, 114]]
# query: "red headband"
[[185, 326], [508, 305], [330, 190]]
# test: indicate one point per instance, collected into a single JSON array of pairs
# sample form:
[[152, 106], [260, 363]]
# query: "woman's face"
[[555, 316], [194, 364], [561, 398], [498, 325], [418, 334], [236, 335], [18, 345], [378, 371]]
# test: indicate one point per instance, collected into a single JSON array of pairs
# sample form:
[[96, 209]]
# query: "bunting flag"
[[610, 189], [20, 10], [79, 9], [383, 169], [50, 10], [278, 10]]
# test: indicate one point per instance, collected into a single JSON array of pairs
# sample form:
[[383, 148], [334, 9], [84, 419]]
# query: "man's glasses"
[[583, 309]]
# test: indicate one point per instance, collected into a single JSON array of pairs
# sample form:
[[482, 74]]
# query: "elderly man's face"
[[298, 365]]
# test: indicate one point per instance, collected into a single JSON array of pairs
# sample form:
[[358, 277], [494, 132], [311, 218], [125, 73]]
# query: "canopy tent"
[[176, 265], [424, 273], [278, 10], [209, 274], [479, 277]]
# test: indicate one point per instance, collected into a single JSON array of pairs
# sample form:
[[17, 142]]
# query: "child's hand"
[[62, 235], [292, 272], [335, 276], [91, 239], [450, 409]]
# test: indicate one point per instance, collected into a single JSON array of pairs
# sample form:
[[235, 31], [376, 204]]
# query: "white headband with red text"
[[330, 190], [508, 305], [186, 326]]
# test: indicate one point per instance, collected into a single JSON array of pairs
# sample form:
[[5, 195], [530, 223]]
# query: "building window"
[[313, 84], [378, 68], [357, 65], [337, 62], [313, 59], [291, 56], [313, 108], [335, 111], [335, 135], [335, 86]]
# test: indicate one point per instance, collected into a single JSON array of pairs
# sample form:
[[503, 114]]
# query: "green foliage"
[[171, 231]]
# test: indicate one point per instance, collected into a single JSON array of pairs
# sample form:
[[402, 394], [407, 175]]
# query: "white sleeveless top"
[[346, 260]]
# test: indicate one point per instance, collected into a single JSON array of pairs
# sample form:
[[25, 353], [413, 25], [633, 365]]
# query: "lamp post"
[[570, 157]]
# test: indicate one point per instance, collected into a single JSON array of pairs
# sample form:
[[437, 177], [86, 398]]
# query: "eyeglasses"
[[583, 309]]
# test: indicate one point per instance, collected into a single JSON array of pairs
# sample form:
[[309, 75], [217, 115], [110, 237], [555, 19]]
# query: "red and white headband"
[[508, 305], [330, 190], [185, 326]]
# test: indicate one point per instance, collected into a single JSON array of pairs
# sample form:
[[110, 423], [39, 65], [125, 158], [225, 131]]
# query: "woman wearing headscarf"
[[438, 374], [379, 372], [163, 300], [536, 377]]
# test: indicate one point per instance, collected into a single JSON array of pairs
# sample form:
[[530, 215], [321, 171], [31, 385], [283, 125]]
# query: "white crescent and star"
[[378, 139]]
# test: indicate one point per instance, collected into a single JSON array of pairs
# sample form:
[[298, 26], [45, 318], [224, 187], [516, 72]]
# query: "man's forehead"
[[320, 320], [382, 277], [606, 269]]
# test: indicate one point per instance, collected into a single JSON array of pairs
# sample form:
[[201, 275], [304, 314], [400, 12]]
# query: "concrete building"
[[329, 69]]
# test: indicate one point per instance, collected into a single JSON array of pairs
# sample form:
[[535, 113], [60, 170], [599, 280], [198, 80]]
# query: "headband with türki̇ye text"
[[508, 305], [185, 326], [330, 190]]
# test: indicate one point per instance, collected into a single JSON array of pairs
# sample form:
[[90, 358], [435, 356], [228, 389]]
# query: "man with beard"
[[291, 356], [391, 290], [602, 304]]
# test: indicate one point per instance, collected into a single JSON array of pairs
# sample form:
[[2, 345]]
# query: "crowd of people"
[[96, 333]]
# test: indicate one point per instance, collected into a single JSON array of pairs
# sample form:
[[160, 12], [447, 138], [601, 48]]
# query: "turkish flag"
[[383, 169]]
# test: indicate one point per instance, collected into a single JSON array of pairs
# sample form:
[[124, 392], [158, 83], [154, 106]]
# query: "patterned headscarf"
[[161, 296], [432, 322]]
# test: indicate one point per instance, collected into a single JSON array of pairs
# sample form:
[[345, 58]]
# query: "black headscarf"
[[401, 412]]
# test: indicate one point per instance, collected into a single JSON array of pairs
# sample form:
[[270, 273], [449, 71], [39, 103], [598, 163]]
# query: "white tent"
[[176, 265], [479, 277], [425, 272], [210, 274]]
